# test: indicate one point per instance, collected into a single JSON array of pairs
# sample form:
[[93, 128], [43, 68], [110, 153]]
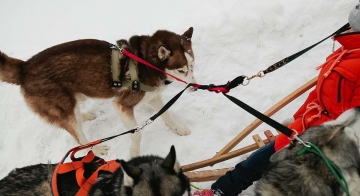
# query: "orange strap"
[[88, 145], [54, 189], [311, 106], [110, 166], [66, 167], [84, 184]]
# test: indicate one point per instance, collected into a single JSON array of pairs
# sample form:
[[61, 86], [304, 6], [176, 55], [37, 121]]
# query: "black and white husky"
[[144, 175], [307, 174]]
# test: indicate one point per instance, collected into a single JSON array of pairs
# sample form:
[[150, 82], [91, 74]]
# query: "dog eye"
[[181, 71]]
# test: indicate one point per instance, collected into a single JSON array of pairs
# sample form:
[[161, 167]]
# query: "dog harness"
[[134, 82], [77, 164]]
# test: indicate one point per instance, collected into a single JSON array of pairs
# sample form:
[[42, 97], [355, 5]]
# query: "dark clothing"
[[245, 172]]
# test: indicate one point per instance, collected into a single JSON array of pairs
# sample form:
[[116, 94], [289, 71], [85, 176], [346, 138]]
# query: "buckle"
[[135, 85], [116, 84]]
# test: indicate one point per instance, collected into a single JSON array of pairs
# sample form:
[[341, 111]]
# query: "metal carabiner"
[[246, 83], [138, 128], [260, 74], [306, 144]]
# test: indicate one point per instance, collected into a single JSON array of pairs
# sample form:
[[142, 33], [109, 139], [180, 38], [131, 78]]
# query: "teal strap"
[[197, 188], [333, 168]]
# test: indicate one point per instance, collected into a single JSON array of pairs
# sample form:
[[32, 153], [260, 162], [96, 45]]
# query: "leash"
[[136, 129], [276, 125], [114, 165], [308, 147], [136, 58], [211, 87], [333, 168], [226, 87], [290, 58], [214, 88]]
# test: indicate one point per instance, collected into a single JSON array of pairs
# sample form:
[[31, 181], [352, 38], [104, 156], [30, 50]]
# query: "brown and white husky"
[[55, 80]]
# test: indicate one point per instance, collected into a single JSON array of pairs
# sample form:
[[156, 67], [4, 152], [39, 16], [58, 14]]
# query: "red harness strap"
[[136, 58], [78, 166]]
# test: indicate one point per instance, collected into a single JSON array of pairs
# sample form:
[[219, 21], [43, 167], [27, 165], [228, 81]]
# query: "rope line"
[[333, 168]]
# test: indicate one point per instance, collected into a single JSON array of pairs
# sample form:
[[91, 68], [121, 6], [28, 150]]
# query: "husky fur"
[[54, 81], [143, 175], [308, 174]]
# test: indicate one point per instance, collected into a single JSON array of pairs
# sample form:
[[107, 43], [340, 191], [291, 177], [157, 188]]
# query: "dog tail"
[[10, 69]]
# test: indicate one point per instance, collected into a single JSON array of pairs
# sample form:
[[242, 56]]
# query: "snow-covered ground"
[[231, 38]]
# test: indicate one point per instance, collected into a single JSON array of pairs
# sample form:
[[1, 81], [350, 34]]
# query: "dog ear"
[[122, 43], [130, 173], [188, 33], [278, 156], [170, 161], [163, 53]]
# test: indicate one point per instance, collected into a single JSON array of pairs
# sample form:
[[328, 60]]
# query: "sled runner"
[[226, 153]]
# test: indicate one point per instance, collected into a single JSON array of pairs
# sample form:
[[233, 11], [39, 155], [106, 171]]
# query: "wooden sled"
[[225, 154]]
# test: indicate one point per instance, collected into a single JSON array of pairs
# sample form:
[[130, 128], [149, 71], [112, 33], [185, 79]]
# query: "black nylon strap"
[[286, 131], [206, 87], [235, 82], [230, 85], [169, 104], [296, 55], [112, 137], [163, 109]]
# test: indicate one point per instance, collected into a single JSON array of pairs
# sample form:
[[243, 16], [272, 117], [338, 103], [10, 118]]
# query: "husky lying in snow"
[[307, 174], [141, 176], [56, 79]]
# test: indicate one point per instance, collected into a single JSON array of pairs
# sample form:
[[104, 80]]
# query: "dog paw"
[[88, 116], [100, 150], [180, 129]]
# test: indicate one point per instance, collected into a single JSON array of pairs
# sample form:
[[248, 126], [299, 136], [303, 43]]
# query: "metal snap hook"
[[245, 83], [260, 74], [306, 144]]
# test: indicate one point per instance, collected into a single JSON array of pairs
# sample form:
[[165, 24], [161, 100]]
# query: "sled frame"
[[225, 153]]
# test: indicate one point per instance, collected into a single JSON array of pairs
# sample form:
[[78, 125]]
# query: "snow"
[[231, 38]]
